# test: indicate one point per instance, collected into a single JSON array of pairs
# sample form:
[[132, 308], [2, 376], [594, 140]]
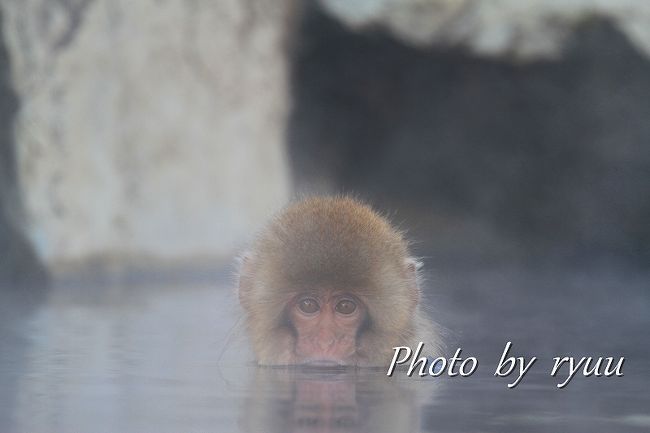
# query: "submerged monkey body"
[[329, 281]]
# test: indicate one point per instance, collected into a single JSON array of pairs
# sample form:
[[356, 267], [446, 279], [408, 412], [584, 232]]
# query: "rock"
[[148, 129], [522, 29], [18, 263], [484, 159]]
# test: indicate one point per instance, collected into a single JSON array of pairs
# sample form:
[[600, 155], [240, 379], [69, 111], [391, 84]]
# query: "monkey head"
[[330, 281]]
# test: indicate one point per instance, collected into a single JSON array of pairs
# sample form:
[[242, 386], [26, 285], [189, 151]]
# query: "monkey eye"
[[308, 305], [346, 306]]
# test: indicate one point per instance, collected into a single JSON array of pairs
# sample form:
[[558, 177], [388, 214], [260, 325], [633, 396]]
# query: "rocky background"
[[167, 132], [143, 130], [520, 153]]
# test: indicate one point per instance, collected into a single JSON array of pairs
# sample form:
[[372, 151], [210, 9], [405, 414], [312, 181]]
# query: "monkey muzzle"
[[325, 348]]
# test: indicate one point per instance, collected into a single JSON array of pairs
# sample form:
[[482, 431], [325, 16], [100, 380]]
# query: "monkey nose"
[[326, 341]]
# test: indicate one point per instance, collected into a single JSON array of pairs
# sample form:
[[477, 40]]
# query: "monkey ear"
[[243, 258], [413, 265], [245, 267]]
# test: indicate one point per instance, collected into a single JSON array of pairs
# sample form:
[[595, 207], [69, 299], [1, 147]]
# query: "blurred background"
[[143, 143]]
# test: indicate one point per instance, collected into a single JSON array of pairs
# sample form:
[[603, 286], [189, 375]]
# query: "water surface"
[[167, 355]]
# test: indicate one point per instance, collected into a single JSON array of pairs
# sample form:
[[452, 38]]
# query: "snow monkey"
[[329, 282]]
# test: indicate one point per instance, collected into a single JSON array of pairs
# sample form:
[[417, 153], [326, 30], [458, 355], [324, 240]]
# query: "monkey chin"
[[351, 361], [326, 359], [338, 364], [325, 363]]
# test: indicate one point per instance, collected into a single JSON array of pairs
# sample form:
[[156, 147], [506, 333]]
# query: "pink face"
[[326, 326]]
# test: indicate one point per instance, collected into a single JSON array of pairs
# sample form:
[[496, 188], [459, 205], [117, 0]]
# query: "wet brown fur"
[[340, 243]]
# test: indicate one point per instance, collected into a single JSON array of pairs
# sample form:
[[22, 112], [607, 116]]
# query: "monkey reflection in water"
[[330, 282], [295, 400]]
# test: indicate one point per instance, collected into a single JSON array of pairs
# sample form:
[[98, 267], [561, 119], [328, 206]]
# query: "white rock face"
[[522, 28], [148, 128]]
